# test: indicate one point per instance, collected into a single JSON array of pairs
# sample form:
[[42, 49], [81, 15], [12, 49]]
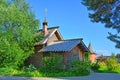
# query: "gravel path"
[[93, 76]]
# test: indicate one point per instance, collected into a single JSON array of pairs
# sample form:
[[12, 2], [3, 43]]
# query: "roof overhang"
[[64, 46]]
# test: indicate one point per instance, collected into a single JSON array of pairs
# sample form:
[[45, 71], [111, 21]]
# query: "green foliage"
[[102, 66], [113, 56], [87, 56], [17, 32], [79, 67], [8, 71], [110, 65], [94, 66], [52, 63], [53, 67], [107, 12], [14, 72], [30, 68], [12, 54], [36, 73], [113, 65], [64, 74]]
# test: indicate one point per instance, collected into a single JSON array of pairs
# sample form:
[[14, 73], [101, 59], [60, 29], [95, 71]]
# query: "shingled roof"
[[63, 46]]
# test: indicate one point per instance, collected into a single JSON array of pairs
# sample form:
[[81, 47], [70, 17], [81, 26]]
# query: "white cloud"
[[103, 52]]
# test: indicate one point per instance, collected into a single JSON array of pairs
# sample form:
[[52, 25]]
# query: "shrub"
[[79, 67], [102, 66], [95, 66], [30, 68], [8, 71], [113, 65], [116, 68], [87, 56], [52, 63]]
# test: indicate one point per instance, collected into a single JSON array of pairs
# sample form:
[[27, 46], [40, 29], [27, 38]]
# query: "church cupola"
[[45, 25]]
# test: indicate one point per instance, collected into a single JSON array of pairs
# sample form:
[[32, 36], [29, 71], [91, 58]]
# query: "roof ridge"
[[70, 39], [49, 28], [73, 39], [53, 27]]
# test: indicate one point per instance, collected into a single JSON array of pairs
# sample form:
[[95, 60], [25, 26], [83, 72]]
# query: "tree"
[[113, 56], [107, 12], [17, 32]]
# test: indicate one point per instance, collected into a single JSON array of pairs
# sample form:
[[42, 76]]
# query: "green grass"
[[8, 71], [59, 74], [104, 70], [36, 73]]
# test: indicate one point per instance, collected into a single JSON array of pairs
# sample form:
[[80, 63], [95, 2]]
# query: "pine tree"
[[108, 13]]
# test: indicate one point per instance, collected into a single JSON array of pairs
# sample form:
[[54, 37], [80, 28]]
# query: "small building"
[[101, 58], [92, 53], [53, 42]]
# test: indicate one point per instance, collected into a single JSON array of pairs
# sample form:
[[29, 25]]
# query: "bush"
[[87, 56], [113, 65], [8, 71], [79, 67], [34, 73], [95, 66], [110, 65], [52, 63], [30, 68], [116, 68], [13, 72], [102, 66]]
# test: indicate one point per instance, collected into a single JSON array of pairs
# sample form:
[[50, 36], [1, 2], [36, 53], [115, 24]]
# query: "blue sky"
[[72, 17]]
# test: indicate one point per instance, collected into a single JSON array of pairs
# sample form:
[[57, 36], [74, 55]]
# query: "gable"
[[53, 33], [54, 37]]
